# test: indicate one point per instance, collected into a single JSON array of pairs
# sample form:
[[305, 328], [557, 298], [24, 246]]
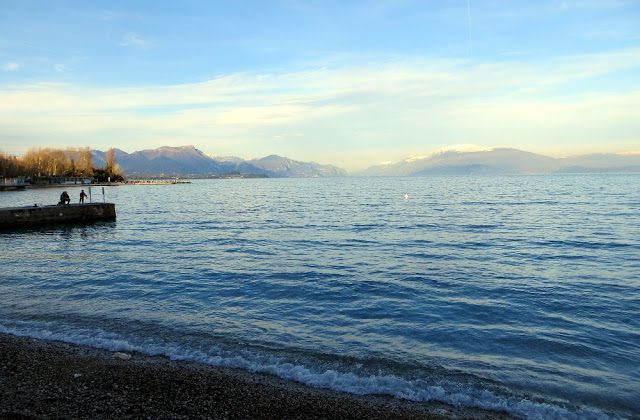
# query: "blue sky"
[[350, 83]]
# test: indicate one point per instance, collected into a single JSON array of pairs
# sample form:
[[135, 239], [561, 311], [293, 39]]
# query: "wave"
[[461, 393]]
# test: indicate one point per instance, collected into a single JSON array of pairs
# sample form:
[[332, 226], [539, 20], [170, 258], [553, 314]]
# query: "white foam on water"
[[457, 394]]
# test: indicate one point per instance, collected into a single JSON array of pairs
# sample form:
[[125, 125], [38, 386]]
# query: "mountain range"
[[450, 161], [189, 161]]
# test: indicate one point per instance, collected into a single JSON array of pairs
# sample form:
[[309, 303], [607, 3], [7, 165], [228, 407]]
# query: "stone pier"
[[70, 213]]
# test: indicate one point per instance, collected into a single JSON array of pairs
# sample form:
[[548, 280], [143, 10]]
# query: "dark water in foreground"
[[513, 293]]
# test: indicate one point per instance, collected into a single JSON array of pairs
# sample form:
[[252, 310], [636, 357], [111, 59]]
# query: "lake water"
[[516, 293]]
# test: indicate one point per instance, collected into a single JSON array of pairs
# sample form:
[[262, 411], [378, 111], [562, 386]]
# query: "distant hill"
[[600, 163], [189, 161], [274, 165], [504, 161]]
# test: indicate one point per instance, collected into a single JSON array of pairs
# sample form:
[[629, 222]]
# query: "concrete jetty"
[[12, 217]]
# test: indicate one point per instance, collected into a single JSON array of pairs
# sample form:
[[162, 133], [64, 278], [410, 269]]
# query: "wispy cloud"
[[516, 53], [348, 86], [343, 110], [10, 66], [618, 31], [132, 39], [594, 4], [61, 68], [106, 15]]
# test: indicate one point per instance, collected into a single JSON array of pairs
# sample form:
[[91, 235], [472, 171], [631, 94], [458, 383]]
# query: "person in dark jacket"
[[64, 198]]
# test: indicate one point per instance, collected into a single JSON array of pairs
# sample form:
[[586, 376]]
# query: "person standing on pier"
[[82, 196]]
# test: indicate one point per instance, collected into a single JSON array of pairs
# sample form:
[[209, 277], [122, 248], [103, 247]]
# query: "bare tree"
[[81, 161], [85, 160], [32, 161], [110, 160], [10, 166], [111, 166], [56, 161], [49, 161]]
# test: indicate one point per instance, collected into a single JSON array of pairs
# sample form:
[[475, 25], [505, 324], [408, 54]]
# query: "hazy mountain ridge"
[[290, 168], [504, 161], [187, 160]]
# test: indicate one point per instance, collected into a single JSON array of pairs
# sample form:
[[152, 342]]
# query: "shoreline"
[[42, 379]]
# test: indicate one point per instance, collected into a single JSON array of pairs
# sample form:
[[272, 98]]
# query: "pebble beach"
[[45, 380]]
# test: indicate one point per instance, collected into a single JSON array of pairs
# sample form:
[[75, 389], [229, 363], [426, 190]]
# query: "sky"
[[350, 83]]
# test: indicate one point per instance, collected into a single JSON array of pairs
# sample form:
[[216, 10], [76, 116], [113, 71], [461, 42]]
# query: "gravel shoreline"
[[52, 380]]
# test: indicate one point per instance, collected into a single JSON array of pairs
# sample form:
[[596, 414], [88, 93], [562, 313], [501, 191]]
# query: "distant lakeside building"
[[60, 180], [17, 183]]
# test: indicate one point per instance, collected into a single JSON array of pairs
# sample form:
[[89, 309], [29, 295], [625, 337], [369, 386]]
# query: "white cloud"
[[134, 40], [413, 158], [106, 15], [594, 4], [463, 148], [60, 68], [381, 111], [10, 66], [516, 53]]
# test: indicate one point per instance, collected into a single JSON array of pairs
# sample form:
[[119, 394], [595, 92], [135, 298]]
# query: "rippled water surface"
[[516, 293]]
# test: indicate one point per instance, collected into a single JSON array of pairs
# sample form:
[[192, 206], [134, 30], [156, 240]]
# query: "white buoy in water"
[[406, 196]]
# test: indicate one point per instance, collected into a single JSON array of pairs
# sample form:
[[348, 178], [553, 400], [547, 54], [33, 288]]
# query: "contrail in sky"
[[469, 27]]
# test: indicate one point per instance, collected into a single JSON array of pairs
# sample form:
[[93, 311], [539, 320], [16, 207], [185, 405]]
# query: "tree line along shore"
[[42, 163]]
